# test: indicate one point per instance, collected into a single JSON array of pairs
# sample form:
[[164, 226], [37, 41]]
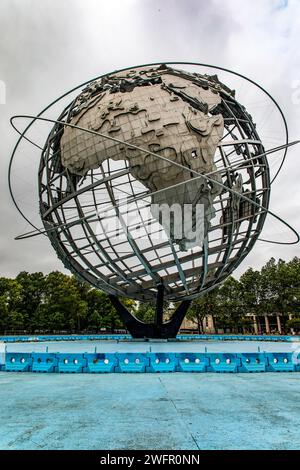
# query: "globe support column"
[[159, 309], [158, 329]]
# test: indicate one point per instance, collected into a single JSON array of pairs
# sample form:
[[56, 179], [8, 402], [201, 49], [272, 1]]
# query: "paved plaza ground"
[[150, 411]]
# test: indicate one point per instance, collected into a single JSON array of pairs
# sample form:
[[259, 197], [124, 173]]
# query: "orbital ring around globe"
[[155, 134], [197, 64], [35, 118], [41, 231]]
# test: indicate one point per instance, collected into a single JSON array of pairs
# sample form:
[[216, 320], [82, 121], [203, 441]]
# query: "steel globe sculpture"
[[154, 184]]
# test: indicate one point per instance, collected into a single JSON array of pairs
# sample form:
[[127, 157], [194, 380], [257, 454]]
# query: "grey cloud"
[[48, 47]]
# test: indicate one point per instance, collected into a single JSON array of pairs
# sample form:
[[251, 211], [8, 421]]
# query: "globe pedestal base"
[[158, 329]]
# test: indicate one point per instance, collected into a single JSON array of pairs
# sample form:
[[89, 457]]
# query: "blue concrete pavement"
[[150, 411]]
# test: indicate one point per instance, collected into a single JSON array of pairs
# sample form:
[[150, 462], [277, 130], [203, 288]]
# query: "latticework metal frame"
[[134, 266], [121, 262]]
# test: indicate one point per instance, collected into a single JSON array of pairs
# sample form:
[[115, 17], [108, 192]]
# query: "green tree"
[[269, 287], [16, 321], [31, 298], [250, 290], [294, 323], [230, 309], [206, 304], [145, 312], [10, 291], [4, 314], [101, 313], [95, 321], [63, 306]]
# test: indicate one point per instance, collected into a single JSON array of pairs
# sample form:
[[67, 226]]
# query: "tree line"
[[275, 289], [56, 302]]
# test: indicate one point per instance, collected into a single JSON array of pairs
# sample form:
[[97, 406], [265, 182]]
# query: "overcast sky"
[[49, 46]]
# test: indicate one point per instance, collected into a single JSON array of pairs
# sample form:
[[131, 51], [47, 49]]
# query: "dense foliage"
[[57, 302], [275, 289]]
